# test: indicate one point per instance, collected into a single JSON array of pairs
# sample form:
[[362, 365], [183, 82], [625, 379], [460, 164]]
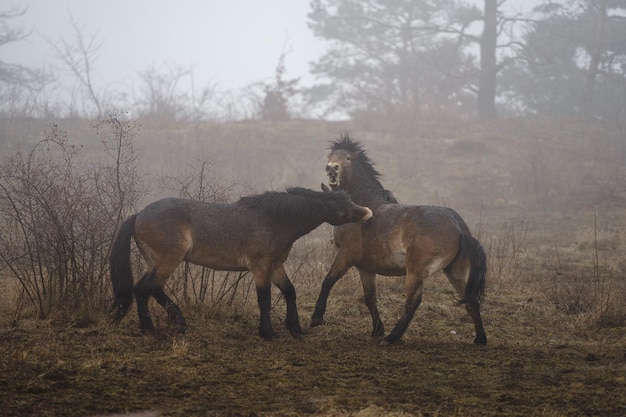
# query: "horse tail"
[[121, 270], [475, 286]]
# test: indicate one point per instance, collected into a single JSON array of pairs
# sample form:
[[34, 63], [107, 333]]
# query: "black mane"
[[297, 202], [348, 144], [364, 167]]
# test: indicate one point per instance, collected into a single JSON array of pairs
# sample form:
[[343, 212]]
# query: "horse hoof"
[[269, 336], [297, 335], [391, 341], [378, 333], [387, 341], [316, 322], [147, 332], [480, 341]]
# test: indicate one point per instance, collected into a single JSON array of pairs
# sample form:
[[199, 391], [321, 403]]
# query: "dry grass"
[[554, 312]]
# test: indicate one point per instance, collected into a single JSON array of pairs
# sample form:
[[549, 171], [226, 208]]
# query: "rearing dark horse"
[[415, 241], [256, 234]]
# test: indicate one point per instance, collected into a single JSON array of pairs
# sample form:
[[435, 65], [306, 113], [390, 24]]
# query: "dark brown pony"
[[256, 234], [415, 241]]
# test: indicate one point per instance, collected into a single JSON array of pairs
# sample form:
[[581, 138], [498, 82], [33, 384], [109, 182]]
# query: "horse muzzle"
[[332, 170], [368, 215]]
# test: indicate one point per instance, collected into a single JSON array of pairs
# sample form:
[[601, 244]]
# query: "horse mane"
[[365, 164], [297, 202]]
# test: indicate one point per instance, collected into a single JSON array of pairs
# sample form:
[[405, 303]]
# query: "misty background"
[[233, 43], [319, 57]]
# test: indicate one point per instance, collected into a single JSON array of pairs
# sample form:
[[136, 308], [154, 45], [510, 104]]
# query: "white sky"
[[229, 42]]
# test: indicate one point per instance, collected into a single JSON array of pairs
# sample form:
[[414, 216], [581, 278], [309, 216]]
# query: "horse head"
[[347, 163], [338, 165]]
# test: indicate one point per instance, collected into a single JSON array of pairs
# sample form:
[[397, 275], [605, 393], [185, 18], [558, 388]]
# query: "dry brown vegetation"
[[546, 198]]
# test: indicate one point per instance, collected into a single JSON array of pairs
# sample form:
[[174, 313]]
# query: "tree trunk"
[[488, 68], [594, 63]]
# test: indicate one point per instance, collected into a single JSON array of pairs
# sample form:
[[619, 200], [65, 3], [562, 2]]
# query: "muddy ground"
[[534, 364]]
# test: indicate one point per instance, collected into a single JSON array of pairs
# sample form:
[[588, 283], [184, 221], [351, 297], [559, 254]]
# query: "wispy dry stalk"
[[504, 252]]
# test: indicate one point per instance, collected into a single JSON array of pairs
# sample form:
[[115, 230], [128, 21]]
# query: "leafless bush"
[[505, 250], [592, 292], [59, 213], [117, 175], [571, 292], [161, 96], [198, 181]]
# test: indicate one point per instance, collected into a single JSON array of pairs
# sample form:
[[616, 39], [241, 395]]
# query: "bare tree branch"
[[78, 56]]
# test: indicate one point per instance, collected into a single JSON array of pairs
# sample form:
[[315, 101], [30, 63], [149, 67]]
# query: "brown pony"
[[255, 233], [415, 241]]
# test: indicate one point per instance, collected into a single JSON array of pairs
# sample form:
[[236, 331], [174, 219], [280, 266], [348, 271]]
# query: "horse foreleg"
[[173, 311], [281, 280], [368, 279], [142, 294], [264, 297], [414, 287], [336, 272]]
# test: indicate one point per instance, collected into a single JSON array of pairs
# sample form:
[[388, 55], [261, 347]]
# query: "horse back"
[[412, 220], [207, 234], [382, 244]]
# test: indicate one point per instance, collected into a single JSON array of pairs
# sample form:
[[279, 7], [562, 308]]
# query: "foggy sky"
[[231, 43]]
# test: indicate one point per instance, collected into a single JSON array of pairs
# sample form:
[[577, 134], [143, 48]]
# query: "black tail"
[[121, 271], [475, 287]]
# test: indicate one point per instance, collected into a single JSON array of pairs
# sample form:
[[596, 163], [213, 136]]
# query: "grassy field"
[[545, 198]]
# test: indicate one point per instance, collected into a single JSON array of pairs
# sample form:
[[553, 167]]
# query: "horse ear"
[[325, 188]]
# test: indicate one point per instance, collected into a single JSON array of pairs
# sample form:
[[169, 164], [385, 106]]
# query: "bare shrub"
[[59, 213], [593, 292], [199, 181], [117, 176], [602, 240], [505, 250], [162, 98], [571, 292], [168, 93]]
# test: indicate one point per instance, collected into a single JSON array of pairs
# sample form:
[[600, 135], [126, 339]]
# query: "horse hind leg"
[[142, 292], [414, 289], [419, 267], [459, 273], [368, 280], [474, 311], [148, 286], [174, 312]]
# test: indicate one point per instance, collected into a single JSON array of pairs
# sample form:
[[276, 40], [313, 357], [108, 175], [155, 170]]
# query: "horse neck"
[[367, 192], [307, 227], [299, 226]]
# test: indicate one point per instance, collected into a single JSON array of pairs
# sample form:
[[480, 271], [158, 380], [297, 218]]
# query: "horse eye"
[[348, 158]]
